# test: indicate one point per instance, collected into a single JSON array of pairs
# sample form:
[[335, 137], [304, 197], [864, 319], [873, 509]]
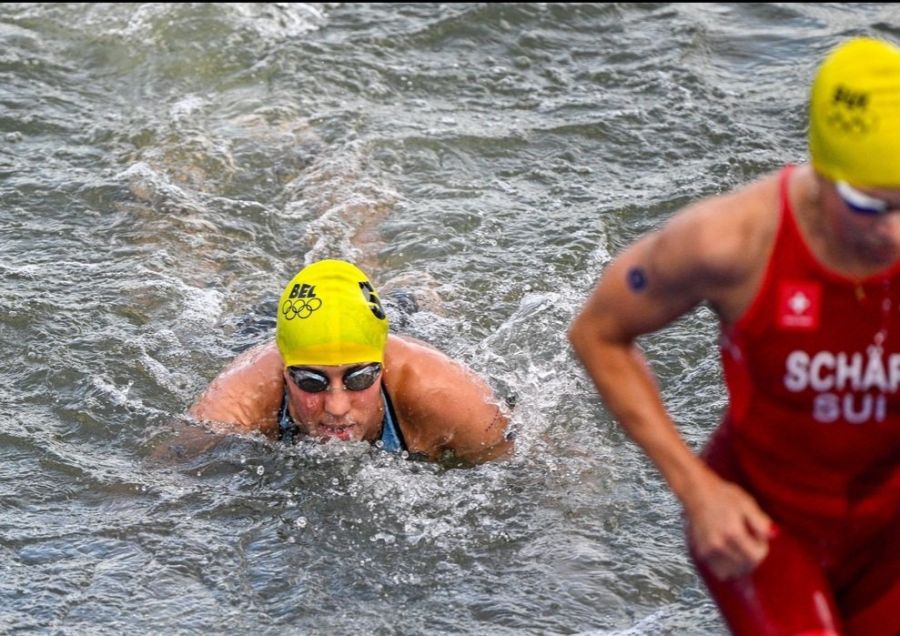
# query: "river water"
[[166, 168]]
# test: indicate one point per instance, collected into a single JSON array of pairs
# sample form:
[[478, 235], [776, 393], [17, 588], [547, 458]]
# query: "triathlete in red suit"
[[813, 433], [792, 514]]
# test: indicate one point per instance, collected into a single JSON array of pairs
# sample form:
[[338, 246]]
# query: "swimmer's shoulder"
[[407, 359], [247, 393]]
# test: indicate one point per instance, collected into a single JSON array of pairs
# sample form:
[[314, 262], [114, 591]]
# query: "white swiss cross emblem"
[[799, 305]]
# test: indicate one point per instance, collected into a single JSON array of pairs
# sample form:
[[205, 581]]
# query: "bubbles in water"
[[185, 107], [388, 539]]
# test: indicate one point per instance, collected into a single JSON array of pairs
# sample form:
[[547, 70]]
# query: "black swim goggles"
[[355, 378]]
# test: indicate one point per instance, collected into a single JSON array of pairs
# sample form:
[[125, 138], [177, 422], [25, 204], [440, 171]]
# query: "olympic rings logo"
[[300, 308], [851, 123]]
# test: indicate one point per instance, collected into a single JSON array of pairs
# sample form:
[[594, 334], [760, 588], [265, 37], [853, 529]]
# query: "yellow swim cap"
[[329, 314], [854, 114]]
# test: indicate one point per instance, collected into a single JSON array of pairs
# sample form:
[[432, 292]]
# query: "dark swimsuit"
[[391, 438]]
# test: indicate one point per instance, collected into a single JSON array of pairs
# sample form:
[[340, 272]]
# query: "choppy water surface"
[[165, 169]]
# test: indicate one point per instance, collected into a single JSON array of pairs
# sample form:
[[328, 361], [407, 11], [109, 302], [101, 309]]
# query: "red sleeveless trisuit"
[[813, 433]]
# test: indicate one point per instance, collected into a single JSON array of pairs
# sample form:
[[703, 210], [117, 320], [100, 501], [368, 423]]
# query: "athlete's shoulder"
[[262, 356], [725, 236], [412, 362], [247, 392], [419, 375]]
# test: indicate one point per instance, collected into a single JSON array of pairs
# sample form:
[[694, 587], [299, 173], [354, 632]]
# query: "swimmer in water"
[[333, 373]]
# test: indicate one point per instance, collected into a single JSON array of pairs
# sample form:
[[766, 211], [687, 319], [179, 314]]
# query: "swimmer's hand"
[[190, 442], [728, 531]]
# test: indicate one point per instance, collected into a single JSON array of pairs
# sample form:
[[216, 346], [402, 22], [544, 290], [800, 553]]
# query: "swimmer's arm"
[[447, 407], [652, 283], [246, 395], [189, 442], [475, 426], [240, 400]]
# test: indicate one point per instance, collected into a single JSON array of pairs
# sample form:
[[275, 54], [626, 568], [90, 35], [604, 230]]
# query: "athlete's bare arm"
[[442, 405], [711, 252], [245, 397]]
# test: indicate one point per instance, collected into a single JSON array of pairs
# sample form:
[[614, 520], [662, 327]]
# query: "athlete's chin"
[[884, 252]]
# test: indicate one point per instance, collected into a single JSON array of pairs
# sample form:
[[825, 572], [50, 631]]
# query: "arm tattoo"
[[637, 279]]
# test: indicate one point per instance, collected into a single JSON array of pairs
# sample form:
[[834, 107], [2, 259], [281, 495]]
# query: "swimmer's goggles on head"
[[355, 379], [861, 202]]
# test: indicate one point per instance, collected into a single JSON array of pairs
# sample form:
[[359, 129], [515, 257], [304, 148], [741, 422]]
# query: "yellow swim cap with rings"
[[329, 314], [854, 114]]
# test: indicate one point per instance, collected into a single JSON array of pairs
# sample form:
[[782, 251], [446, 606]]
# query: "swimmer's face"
[[337, 402]]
